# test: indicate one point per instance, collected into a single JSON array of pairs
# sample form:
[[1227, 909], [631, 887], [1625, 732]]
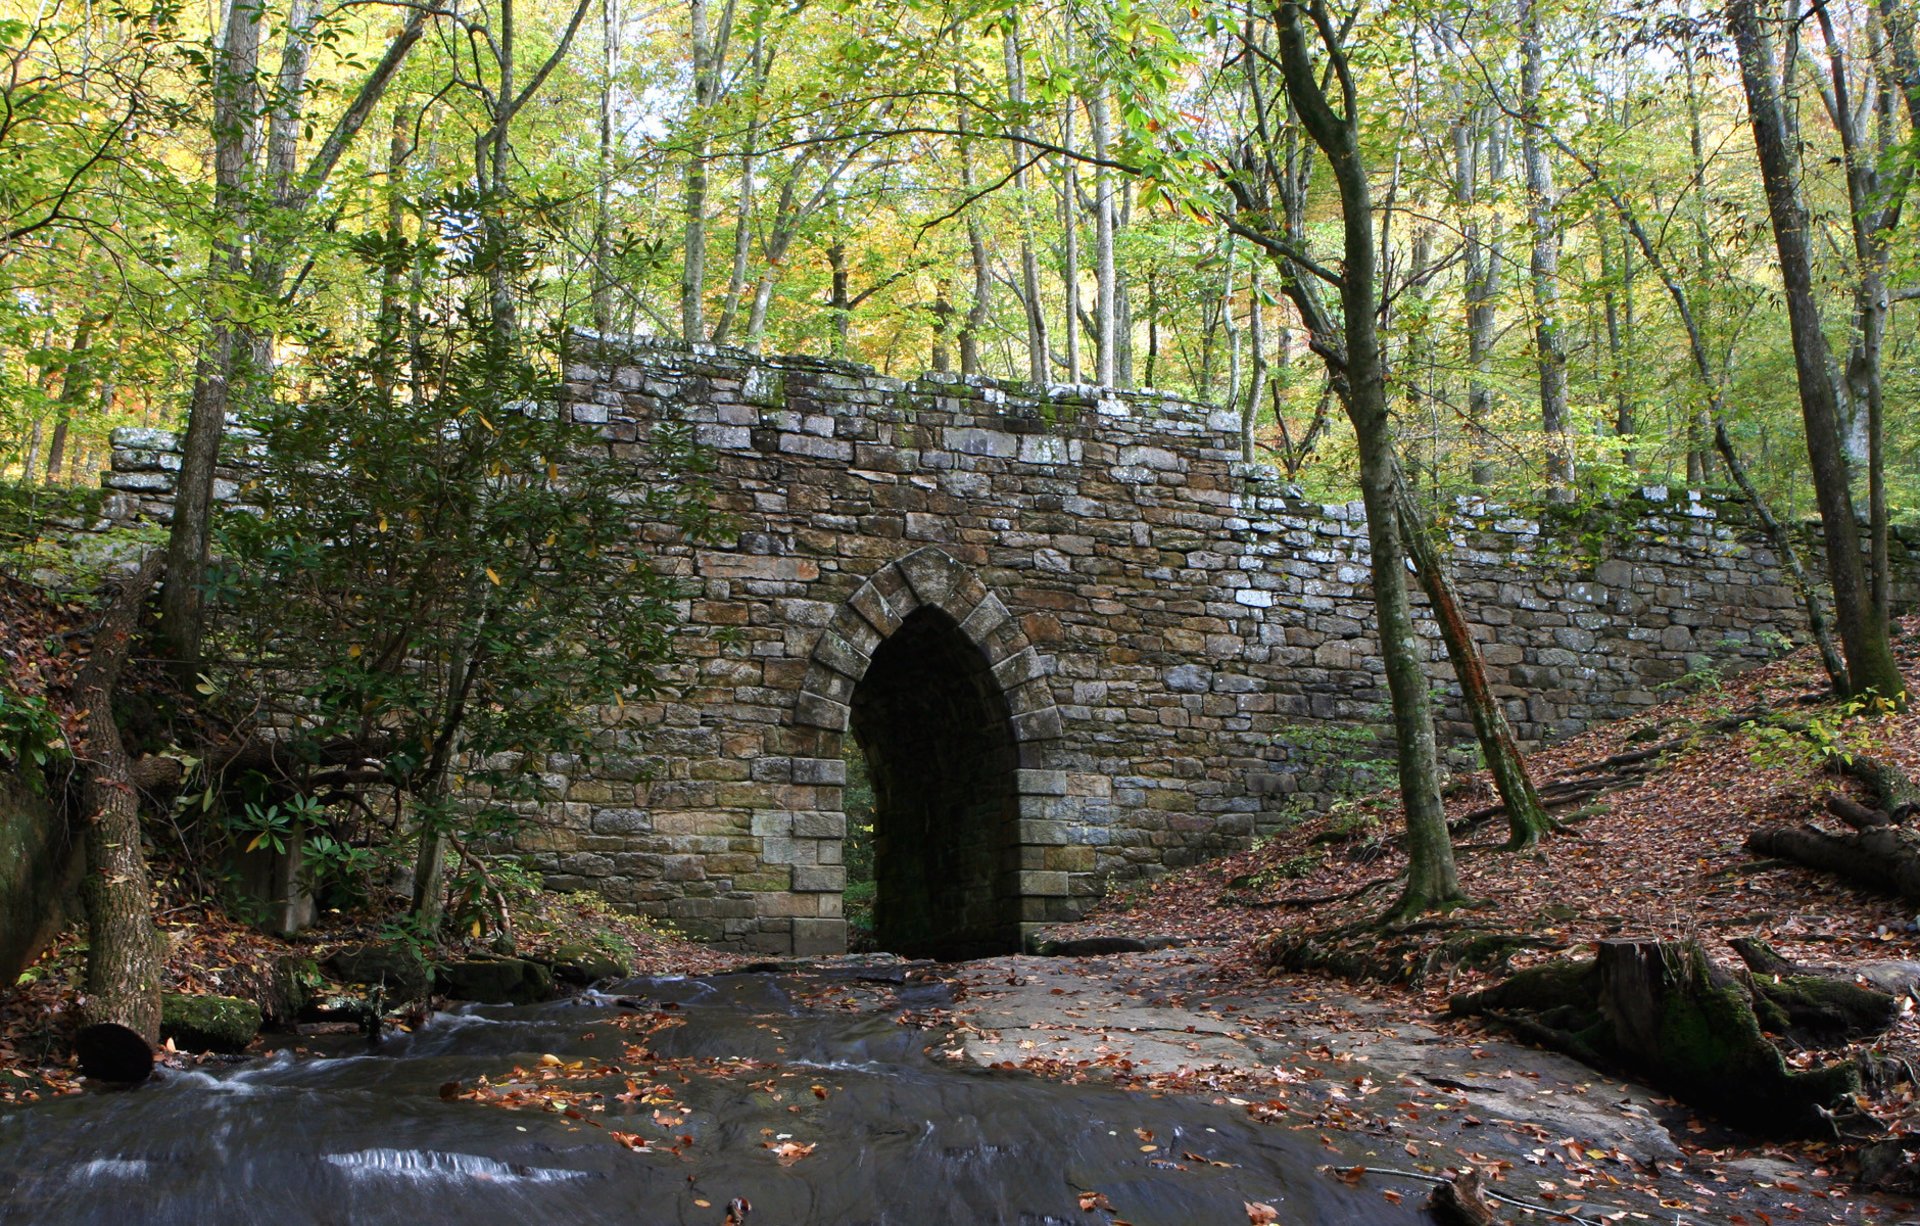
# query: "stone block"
[[1041, 782], [829, 771], [819, 825], [819, 711], [621, 821], [819, 936], [819, 878], [1042, 883]]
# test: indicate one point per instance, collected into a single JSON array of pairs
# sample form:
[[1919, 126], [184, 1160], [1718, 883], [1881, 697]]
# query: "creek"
[[661, 1100]]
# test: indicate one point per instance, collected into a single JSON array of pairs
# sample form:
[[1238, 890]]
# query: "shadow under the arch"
[[937, 734]]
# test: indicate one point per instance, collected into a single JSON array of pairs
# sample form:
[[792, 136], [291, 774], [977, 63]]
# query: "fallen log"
[[124, 949], [1885, 858]]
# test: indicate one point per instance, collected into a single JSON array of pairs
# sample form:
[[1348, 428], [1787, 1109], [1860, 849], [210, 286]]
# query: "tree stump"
[[1662, 1010]]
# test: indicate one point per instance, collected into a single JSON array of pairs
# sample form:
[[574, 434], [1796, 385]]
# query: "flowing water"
[[660, 1109]]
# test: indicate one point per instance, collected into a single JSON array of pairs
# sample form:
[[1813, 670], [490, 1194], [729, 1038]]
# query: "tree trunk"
[[1257, 378], [693, 205], [1038, 365], [1883, 858], [1527, 818], [1070, 240], [1864, 635], [980, 305], [235, 105], [76, 382], [1105, 307], [1432, 881], [1550, 346], [1485, 256], [1699, 459], [124, 948], [1661, 1009], [601, 290]]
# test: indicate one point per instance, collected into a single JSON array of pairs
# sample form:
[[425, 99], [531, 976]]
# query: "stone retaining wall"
[[1163, 636]]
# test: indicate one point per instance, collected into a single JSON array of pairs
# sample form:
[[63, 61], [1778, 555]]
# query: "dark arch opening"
[[938, 739]]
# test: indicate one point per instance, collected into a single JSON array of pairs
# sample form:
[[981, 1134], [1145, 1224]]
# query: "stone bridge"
[[1076, 639]]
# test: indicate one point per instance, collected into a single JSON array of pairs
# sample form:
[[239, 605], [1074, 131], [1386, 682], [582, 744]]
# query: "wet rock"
[[583, 964], [111, 1052], [1086, 947], [208, 1023], [496, 981], [398, 967]]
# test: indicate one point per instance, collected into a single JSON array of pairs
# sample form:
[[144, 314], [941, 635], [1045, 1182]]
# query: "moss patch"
[[208, 1023]]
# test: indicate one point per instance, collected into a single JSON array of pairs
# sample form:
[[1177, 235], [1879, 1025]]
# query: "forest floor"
[[1657, 854]]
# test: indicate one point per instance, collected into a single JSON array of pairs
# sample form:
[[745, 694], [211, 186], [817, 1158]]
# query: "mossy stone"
[[208, 1023], [582, 964], [495, 981], [398, 966]]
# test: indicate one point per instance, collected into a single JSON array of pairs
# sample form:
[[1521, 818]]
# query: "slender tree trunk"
[[228, 349], [1698, 428], [1484, 256], [1229, 319], [840, 304], [76, 383], [709, 52], [1105, 309], [602, 274], [1527, 819], [1257, 378], [1550, 345], [1864, 636], [1070, 240], [1038, 364], [284, 124], [235, 103], [399, 149], [1360, 365], [124, 949], [980, 305]]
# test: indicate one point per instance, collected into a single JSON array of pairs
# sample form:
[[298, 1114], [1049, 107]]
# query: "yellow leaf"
[[492, 576], [383, 523], [476, 928], [257, 840], [353, 652]]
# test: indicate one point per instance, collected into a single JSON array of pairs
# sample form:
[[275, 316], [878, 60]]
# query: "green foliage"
[[31, 738], [450, 571], [1831, 737]]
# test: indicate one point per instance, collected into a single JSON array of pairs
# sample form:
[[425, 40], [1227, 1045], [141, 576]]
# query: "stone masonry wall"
[[1167, 627]]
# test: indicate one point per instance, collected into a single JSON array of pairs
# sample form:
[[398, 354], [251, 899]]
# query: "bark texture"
[[123, 946]]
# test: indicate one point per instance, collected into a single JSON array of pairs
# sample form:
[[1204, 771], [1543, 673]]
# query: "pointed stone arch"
[[929, 602]]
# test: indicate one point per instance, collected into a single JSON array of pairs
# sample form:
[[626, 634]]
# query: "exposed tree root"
[[1664, 1011], [1399, 952]]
